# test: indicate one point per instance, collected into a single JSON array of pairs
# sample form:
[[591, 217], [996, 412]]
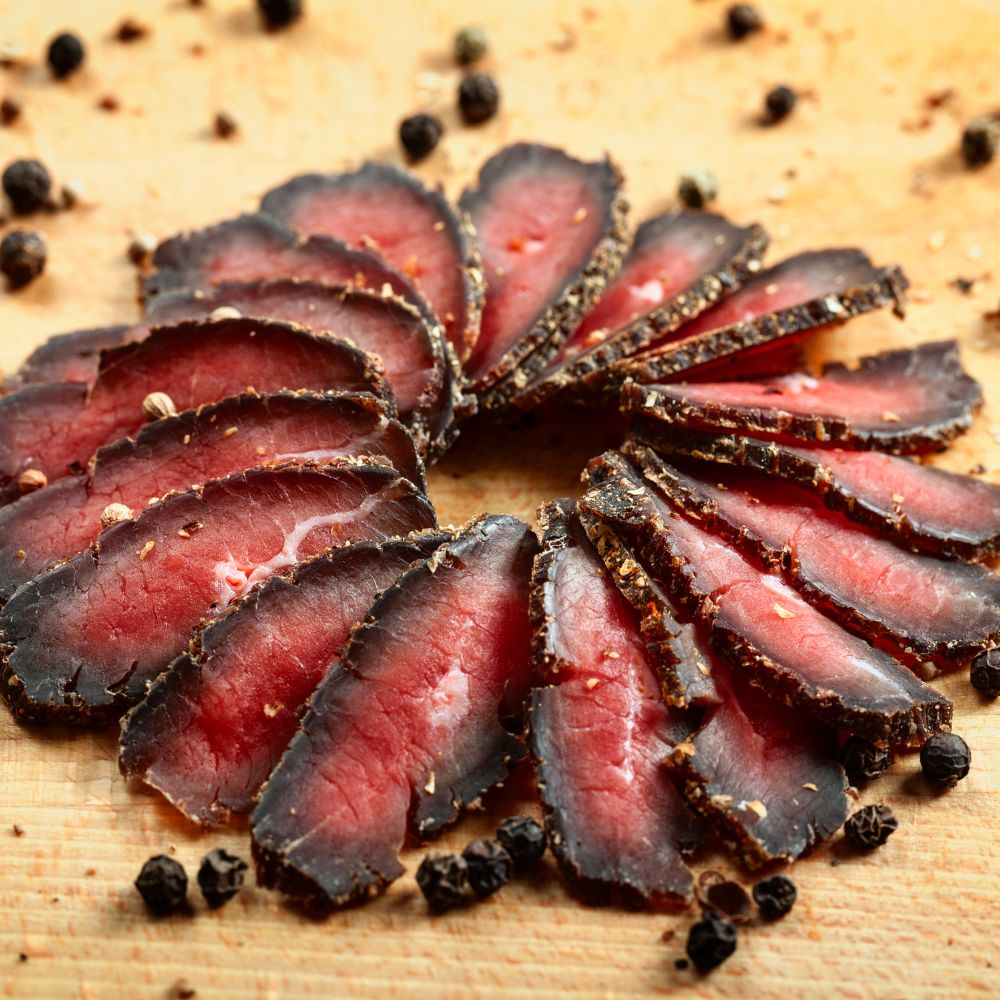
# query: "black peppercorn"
[[419, 135], [979, 140], [221, 876], [162, 883], [863, 761], [27, 185], [443, 879], [985, 672], [775, 896], [471, 44], [870, 827], [779, 103], [490, 866], [22, 256], [945, 759], [523, 839], [10, 110], [743, 19], [711, 941], [65, 55], [279, 13], [478, 98], [697, 187]]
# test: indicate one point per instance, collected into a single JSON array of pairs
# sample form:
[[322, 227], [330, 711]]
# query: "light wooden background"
[[864, 159]]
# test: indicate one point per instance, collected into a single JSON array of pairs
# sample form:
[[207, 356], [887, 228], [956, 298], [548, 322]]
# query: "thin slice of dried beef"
[[53, 427], [414, 227], [921, 506], [908, 400], [798, 296], [679, 265], [758, 623], [600, 731], [928, 606], [216, 722], [551, 231], [82, 640], [419, 718], [53, 524], [68, 357]]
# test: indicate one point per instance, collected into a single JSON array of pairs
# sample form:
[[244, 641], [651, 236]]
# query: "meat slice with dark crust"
[[240, 432], [926, 605], [420, 717], [600, 731], [798, 296], [215, 724], [551, 231], [921, 506], [912, 399], [761, 625], [69, 357], [679, 265], [53, 427], [83, 640], [414, 227]]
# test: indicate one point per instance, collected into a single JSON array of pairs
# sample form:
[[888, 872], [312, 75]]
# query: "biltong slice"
[[53, 427], [758, 623], [54, 524], [911, 399], [82, 640], [414, 227], [919, 505], [599, 731], [542, 218], [801, 294], [214, 725], [420, 717], [68, 357], [679, 265], [926, 605]]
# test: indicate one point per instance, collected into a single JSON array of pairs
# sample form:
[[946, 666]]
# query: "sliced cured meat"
[[799, 295], [907, 400], [928, 606], [215, 724], [52, 427], [53, 524], [765, 776], [84, 639], [413, 227], [599, 731], [760, 624], [69, 357], [680, 263], [551, 230], [919, 505], [419, 718]]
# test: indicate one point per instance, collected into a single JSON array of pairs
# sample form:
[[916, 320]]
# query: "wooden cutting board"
[[869, 157]]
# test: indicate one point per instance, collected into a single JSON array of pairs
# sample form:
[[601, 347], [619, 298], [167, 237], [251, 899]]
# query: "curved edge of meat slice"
[[68, 357]]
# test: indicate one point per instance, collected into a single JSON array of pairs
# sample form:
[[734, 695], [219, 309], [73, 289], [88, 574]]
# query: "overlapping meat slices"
[[215, 724], [413, 227], [906, 400], [788, 648], [416, 722], [928, 606], [54, 427], [69, 357], [551, 234], [82, 640], [921, 506], [238, 433], [600, 731]]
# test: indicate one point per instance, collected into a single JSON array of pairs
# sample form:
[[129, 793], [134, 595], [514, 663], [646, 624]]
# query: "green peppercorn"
[[470, 45], [697, 187]]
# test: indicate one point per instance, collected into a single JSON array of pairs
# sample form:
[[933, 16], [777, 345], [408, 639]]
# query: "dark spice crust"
[[525, 358], [665, 363], [774, 459], [51, 361], [937, 362], [620, 508], [665, 318]]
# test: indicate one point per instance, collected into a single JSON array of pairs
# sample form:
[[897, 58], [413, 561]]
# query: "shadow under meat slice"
[[216, 722], [82, 640], [421, 716]]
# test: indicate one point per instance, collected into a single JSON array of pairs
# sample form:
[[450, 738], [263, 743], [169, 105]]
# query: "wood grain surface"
[[869, 157]]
